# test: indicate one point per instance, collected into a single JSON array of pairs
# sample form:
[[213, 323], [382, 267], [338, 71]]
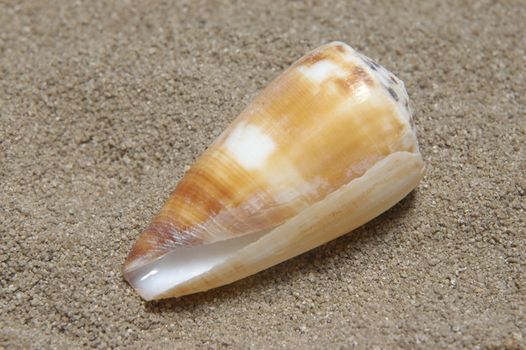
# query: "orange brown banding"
[[208, 187], [358, 76]]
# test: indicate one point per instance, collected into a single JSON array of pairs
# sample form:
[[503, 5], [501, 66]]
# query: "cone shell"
[[327, 146]]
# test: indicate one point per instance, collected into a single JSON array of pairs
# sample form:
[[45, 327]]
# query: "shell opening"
[[184, 263]]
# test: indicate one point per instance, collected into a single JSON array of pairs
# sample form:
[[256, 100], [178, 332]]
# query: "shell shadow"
[[293, 269]]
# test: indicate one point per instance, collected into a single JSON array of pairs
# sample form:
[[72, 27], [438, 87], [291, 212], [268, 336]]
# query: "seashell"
[[327, 146]]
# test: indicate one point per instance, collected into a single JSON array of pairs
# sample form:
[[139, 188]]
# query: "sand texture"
[[103, 105]]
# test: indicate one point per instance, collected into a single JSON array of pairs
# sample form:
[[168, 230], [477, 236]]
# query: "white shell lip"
[[183, 264]]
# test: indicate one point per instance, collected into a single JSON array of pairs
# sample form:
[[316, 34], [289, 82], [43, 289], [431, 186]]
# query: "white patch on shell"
[[321, 71], [249, 146]]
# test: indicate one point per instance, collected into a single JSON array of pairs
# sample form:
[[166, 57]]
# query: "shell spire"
[[325, 147]]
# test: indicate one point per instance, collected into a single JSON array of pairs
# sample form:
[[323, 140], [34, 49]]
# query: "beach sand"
[[103, 107]]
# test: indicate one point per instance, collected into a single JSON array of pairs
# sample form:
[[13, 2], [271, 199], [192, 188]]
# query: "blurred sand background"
[[104, 104]]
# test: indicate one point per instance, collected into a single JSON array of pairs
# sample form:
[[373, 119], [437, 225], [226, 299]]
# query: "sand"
[[103, 107]]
